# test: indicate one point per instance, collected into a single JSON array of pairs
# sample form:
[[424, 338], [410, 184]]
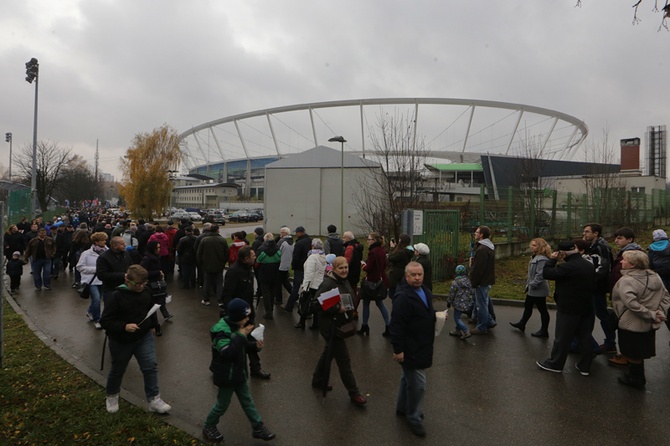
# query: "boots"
[[365, 330], [635, 376], [387, 332], [519, 325]]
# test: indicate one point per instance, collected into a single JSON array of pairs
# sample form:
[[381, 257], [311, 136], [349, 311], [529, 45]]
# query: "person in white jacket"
[[315, 269], [86, 267]]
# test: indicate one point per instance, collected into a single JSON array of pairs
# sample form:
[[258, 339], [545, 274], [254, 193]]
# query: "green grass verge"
[[46, 401]]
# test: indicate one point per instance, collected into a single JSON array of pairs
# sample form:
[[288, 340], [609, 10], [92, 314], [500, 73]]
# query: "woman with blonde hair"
[[640, 302], [537, 288]]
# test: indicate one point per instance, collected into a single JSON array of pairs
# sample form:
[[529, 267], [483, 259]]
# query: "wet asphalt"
[[485, 390]]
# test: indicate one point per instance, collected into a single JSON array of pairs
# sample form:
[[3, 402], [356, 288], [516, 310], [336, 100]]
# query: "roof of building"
[[209, 185], [455, 167], [320, 157]]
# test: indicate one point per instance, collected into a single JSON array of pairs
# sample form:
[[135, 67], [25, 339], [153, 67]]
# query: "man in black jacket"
[[601, 253], [239, 283], [412, 336], [301, 248], [112, 265], [575, 279]]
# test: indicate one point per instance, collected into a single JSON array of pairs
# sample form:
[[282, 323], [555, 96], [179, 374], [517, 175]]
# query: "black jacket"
[[413, 326], [111, 268], [186, 249], [125, 307], [575, 279], [354, 261], [300, 252], [601, 253], [239, 282], [397, 261]]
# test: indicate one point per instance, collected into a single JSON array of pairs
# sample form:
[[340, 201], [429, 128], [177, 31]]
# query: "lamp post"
[[341, 140], [8, 138], [32, 74]]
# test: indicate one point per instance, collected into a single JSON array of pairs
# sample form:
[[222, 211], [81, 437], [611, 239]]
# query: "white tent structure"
[[304, 189]]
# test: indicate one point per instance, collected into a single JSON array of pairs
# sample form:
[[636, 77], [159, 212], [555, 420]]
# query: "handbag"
[[85, 289], [159, 291], [346, 330], [372, 290]]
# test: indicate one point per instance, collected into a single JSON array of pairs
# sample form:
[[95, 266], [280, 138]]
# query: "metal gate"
[[439, 229]]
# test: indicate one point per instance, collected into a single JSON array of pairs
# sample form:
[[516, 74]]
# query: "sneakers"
[[46, 288], [205, 302], [582, 372], [458, 333], [211, 433], [38, 288], [89, 316], [168, 317], [466, 334], [112, 403], [605, 348], [544, 366], [262, 432], [97, 325], [156, 404]]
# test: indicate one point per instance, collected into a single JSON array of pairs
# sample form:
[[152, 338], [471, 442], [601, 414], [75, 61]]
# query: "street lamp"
[[32, 74], [341, 140], [8, 138]]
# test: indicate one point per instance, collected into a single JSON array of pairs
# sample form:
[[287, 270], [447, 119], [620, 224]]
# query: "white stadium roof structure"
[[460, 130]]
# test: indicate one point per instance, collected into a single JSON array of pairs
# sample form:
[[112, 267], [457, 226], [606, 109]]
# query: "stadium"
[[447, 131]]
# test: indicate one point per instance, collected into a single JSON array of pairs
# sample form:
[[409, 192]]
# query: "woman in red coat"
[[375, 284]]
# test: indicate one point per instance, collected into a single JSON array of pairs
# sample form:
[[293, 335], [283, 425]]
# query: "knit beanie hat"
[[660, 234], [238, 309], [259, 231], [460, 270]]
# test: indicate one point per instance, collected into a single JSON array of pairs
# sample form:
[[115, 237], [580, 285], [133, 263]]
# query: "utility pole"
[[8, 138]]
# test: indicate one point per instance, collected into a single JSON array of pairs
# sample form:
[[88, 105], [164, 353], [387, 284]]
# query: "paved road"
[[486, 390]]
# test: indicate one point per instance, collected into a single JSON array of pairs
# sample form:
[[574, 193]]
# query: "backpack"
[[130, 239]]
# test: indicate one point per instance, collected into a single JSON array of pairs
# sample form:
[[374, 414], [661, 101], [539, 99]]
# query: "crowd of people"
[[125, 265]]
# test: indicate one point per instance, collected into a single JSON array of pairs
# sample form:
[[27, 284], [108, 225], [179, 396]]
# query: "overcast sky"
[[111, 69]]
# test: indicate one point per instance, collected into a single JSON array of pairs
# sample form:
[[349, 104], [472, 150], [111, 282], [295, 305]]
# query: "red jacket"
[[375, 267]]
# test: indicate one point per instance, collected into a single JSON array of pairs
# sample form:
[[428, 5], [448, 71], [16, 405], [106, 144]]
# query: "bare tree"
[[665, 10], [51, 160], [605, 189], [397, 182], [78, 182]]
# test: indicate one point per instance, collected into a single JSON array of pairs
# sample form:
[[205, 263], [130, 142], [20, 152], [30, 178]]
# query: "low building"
[[203, 196], [305, 190]]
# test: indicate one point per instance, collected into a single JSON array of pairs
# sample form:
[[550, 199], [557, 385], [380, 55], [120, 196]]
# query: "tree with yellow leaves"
[[146, 185]]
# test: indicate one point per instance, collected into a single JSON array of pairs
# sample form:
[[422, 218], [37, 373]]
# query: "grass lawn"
[[46, 401]]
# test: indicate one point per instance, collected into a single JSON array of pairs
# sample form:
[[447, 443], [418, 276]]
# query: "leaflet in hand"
[[150, 312]]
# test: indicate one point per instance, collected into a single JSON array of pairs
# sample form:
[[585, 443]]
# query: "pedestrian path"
[[485, 390]]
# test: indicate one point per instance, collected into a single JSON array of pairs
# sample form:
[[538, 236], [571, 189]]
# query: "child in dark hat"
[[14, 271], [461, 296], [229, 366]]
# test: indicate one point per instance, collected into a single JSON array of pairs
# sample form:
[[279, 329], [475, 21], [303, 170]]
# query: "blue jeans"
[[460, 325], [484, 319], [41, 272], [297, 281], [410, 394], [144, 351], [382, 308], [94, 307]]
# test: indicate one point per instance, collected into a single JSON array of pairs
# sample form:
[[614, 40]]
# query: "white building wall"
[[310, 197]]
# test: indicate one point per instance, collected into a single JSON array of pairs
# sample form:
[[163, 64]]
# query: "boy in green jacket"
[[229, 366]]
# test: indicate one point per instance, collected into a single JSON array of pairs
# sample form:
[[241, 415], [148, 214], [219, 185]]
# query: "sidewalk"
[[486, 390]]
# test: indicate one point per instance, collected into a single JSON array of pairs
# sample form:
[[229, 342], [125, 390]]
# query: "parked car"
[[194, 216], [243, 216], [217, 217]]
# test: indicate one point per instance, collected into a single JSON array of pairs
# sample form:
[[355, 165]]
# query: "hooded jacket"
[[659, 259], [483, 264], [636, 297], [268, 262]]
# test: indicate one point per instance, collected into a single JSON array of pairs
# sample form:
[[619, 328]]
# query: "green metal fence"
[[18, 205], [441, 233]]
